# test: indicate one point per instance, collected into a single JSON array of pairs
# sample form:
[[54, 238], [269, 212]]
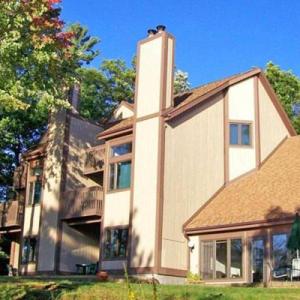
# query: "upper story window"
[[122, 149], [240, 133], [120, 166], [35, 182]]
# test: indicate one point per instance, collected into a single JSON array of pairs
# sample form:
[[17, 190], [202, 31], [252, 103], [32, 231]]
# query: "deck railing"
[[94, 159], [10, 214], [83, 202]]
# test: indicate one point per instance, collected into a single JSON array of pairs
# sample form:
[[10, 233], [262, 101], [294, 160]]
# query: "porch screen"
[[207, 265]]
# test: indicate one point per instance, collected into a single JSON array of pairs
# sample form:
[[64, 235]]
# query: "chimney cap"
[[151, 32], [160, 28]]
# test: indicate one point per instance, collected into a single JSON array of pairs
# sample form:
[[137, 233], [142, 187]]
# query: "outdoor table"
[[83, 266]]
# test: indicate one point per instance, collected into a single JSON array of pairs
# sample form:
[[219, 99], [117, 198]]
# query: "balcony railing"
[[94, 160], [10, 214], [84, 202]]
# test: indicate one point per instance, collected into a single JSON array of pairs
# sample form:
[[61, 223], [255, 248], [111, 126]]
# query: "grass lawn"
[[67, 289]]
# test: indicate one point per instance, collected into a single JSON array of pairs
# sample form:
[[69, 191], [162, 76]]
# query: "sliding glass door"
[[221, 259]]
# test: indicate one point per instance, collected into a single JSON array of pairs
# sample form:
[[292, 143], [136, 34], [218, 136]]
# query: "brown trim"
[[175, 112], [226, 137], [172, 272], [116, 133], [257, 122], [147, 117], [240, 226], [277, 104]]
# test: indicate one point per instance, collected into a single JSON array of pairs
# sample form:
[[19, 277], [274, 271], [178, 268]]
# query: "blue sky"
[[214, 38]]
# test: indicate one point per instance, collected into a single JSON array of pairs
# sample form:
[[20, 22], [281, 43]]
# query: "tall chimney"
[[154, 93]]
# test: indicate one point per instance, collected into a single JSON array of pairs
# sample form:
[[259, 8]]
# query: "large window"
[[35, 190], [29, 250], [120, 166], [280, 252], [240, 133], [35, 182], [222, 259], [116, 243]]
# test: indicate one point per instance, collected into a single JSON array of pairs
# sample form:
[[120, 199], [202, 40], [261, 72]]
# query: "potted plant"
[[102, 275]]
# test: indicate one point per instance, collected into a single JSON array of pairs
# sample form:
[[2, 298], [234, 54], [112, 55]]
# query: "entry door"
[[257, 259]]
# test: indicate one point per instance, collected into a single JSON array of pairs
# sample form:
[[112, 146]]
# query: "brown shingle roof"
[[271, 193], [119, 126], [187, 100]]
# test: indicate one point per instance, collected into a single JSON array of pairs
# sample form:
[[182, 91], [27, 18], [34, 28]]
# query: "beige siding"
[[145, 193], [272, 128], [117, 209], [241, 107], [194, 254], [194, 171], [30, 268], [113, 265], [78, 247], [149, 77], [122, 112], [51, 194], [82, 135], [31, 220]]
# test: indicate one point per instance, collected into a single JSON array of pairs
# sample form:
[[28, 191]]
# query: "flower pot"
[[102, 275]]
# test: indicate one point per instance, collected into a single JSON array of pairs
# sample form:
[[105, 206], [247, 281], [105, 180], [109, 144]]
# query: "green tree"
[[287, 87], [39, 62], [181, 82], [101, 90]]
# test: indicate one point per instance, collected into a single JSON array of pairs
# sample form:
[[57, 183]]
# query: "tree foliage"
[[287, 87], [181, 82], [39, 62], [101, 90]]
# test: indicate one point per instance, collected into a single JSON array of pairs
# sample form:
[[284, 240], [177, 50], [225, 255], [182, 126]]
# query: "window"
[[35, 182], [221, 259], [236, 268], [116, 243], [240, 134], [121, 149], [120, 175], [35, 190], [120, 166], [29, 250], [280, 252]]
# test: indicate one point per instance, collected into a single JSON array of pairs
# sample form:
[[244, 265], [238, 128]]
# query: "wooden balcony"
[[94, 160], [82, 203], [10, 214]]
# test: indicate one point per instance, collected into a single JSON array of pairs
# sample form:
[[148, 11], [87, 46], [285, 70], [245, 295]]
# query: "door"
[[257, 259]]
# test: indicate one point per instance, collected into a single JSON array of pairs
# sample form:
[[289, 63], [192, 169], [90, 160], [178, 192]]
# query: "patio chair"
[[279, 273], [295, 271]]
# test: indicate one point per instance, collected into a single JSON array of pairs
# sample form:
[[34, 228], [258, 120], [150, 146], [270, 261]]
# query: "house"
[[204, 181]]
